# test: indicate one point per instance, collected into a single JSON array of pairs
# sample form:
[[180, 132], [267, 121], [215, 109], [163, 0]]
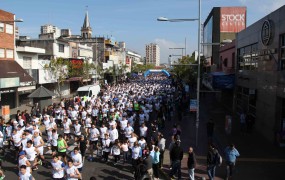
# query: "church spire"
[[86, 30], [86, 23]]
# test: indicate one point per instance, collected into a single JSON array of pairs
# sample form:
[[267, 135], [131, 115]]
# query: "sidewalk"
[[257, 154]]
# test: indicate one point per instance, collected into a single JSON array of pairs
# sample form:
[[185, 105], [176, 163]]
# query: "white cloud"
[[164, 46]]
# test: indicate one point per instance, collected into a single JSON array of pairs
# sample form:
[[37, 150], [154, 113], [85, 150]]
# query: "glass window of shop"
[[248, 57]]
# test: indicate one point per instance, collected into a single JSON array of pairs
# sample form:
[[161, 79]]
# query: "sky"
[[132, 21]]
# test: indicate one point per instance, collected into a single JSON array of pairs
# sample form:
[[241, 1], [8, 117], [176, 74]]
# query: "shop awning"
[[11, 69]]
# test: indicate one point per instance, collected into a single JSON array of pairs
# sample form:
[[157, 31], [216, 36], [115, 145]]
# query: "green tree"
[[59, 70], [87, 69], [186, 69]]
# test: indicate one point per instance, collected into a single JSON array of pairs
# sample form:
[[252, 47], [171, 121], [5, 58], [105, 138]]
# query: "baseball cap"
[[22, 153]]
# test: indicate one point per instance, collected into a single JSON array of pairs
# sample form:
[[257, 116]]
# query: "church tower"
[[86, 30]]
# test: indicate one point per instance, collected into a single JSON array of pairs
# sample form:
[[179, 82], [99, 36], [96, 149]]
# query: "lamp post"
[[199, 59]]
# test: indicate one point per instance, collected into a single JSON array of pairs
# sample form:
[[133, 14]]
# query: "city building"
[[132, 58], [48, 29], [260, 74], [222, 24], [152, 53], [14, 80]]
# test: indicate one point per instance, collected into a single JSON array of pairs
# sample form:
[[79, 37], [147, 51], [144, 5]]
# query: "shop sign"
[[193, 105], [266, 33], [9, 82]]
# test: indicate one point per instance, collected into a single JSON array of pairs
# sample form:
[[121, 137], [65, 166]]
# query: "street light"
[[16, 20], [199, 59], [174, 20]]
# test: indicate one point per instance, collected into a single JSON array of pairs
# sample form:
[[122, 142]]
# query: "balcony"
[[28, 49]]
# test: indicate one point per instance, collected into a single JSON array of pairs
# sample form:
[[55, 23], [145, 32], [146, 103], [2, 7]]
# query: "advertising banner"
[[193, 105], [233, 19]]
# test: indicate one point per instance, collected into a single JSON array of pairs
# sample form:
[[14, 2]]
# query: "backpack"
[[218, 159]]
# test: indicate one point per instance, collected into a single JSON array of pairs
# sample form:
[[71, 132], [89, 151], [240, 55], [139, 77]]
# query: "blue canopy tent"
[[146, 73]]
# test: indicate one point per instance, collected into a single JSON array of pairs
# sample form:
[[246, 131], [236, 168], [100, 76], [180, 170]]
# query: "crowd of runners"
[[122, 124]]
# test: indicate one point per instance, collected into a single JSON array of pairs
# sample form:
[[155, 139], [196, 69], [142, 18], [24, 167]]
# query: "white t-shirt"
[[94, 134], [136, 152], [77, 130], [143, 131], [103, 131], [88, 122], [58, 169], [128, 131], [132, 140], [142, 143], [66, 127], [124, 124], [77, 158], [30, 153], [115, 150], [113, 135], [69, 171], [26, 176], [54, 139], [17, 139], [24, 162]]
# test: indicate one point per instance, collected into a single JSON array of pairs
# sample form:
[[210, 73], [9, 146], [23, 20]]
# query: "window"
[[1, 27], [2, 55], [9, 29], [248, 57], [27, 62], [9, 53], [61, 48]]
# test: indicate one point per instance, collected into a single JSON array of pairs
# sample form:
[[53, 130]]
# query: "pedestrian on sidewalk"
[[231, 153], [176, 155], [191, 163], [212, 161]]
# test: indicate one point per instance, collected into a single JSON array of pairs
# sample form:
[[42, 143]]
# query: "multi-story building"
[[132, 57], [48, 28], [221, 24], [152, 53], [14, 80], [260, 74]]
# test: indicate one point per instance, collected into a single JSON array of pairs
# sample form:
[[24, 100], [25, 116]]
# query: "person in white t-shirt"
[[31, 153], [57, 168], [24, 174], [94, 134], [88, 123], [113, 134], [16, 139], [24, 161], [66, 129], [39, 144], [143, 131], [71, 171], [116, 151], [103, 131], [77, 130], [128, 130], [77, 159]]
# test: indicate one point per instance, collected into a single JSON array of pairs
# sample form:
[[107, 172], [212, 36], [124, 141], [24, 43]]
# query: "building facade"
[[221, 24], [260, 74], [14, 80], [152, 53]]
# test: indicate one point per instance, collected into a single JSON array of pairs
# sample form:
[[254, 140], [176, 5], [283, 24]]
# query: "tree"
[[183, 69], [59, 70], [87, 69]]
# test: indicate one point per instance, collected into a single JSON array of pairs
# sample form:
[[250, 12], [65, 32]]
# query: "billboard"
[[232, 19]]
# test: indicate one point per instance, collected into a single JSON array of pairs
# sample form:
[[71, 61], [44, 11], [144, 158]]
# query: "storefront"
[[260, 73]]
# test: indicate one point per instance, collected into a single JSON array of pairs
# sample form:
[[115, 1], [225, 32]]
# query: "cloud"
[[164, 46]]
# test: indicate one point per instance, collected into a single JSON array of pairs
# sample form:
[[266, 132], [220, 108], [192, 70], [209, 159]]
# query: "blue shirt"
[[231, 154]]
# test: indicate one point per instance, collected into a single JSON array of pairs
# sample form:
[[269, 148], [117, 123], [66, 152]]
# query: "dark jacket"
[[176, 154], [191, 163], [212, 157], [148, 162]]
